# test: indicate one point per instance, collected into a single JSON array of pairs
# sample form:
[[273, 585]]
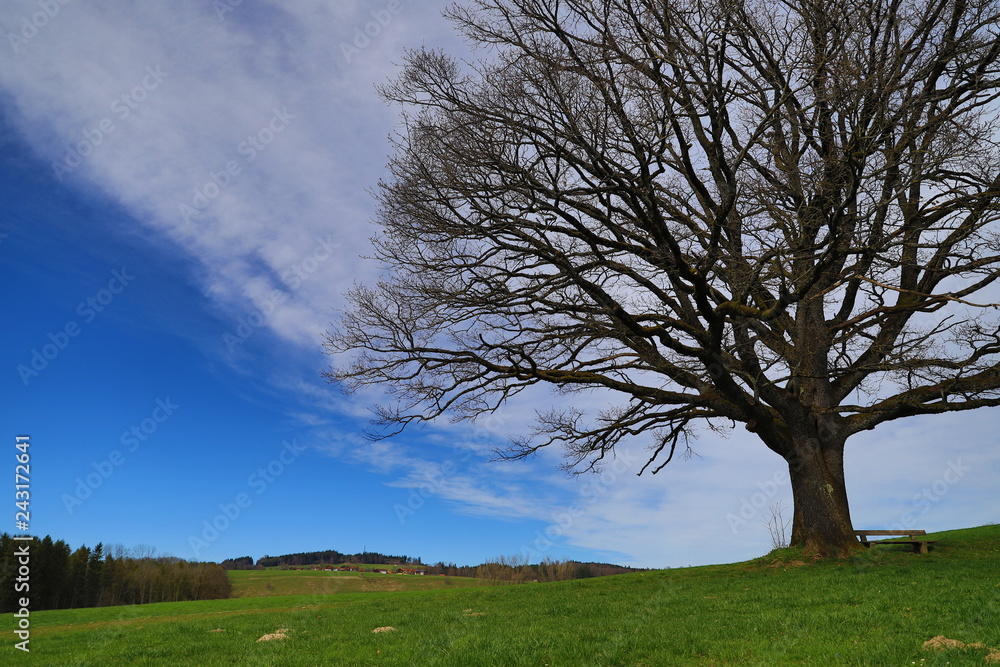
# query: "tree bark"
[[821, 522]]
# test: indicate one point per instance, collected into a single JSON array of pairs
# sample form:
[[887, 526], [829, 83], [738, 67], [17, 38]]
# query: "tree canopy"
[[780, 214]]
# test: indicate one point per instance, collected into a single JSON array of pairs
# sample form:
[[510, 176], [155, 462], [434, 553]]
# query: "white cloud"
[[162, 99]]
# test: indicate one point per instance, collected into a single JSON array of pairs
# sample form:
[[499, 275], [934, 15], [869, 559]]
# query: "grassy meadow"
[[783, 609], [263, 583]]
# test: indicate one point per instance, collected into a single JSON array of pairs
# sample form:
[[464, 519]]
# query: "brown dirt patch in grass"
[[942, 643], [280, 633]]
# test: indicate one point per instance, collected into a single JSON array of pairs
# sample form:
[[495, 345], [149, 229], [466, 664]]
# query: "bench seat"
[[919, 546]]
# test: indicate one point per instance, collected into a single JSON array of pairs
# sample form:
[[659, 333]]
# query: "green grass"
[[262, 583], [876, 609]]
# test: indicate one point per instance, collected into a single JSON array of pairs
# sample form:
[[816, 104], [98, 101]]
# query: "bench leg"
[[921, 548]]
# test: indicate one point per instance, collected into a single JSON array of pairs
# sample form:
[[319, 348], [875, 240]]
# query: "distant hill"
[[329, 557], [545, 571]]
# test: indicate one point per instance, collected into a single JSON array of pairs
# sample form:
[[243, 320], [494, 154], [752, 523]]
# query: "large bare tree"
[[780, 213]]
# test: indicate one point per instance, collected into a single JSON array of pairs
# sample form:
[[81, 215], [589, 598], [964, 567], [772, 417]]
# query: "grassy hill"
[[262, 583], [876, 609]]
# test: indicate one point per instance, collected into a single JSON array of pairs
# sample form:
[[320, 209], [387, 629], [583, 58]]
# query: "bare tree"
[[780, 214], [504, 570], [557, 570], [777, 526]]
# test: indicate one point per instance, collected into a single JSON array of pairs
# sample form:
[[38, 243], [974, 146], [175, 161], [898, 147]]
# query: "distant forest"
[[330, 557], [504, 568], [59, 577]]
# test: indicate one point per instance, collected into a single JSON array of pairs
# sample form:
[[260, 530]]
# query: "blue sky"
[[185, 201]]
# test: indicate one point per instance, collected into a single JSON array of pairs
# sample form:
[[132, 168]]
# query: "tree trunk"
[[821, 523]]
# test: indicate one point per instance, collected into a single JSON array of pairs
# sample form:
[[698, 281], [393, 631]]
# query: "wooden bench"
[[919, 546]]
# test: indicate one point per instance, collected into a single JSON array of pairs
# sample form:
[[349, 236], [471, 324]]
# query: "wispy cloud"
[[243, 139]]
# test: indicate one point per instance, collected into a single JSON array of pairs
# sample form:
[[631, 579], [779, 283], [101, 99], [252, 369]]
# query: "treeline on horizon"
[[503, 569], [329, 557], [516, 570], [59, 577]]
